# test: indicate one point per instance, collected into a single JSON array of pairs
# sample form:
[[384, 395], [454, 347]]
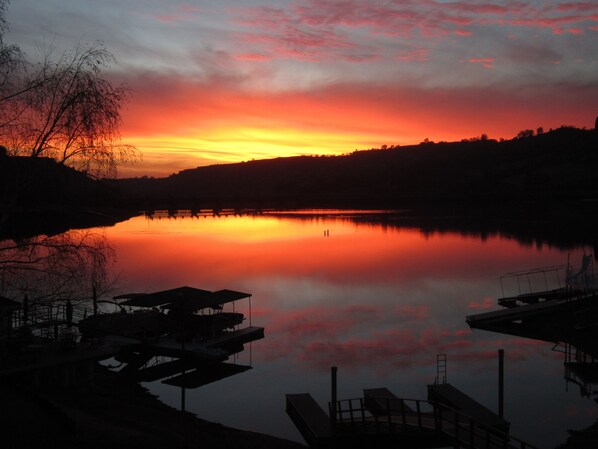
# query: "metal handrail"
[[441, 415]]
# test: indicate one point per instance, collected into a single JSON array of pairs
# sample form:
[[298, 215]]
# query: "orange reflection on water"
[[323, 285], [377, 301], [219, 249]]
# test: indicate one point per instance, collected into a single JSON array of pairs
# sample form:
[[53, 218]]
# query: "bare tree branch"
[[66, 111], [55, 267]]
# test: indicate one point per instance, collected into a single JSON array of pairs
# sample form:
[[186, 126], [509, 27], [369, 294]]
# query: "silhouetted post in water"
[[183, 357], [501, 382], [95, 301], [69, 313], [25, 309], [333, 399]]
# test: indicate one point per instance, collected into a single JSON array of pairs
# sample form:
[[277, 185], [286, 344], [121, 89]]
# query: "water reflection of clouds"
[[354, 336], [380, 303], [365, 295], [485, 303]]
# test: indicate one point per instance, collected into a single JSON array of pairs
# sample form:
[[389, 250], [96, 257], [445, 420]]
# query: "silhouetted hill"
[[37, 195], [560, 164]]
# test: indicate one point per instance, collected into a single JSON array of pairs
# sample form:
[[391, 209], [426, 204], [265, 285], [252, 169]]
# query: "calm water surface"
[[377, 301]]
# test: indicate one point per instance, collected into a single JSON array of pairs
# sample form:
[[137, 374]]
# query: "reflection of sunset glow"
[[259, 245], [346, 292], [378, 302], [224, 230]]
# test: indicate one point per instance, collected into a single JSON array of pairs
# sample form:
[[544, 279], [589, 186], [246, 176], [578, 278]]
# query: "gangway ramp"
[[454, 398], [310, 419]]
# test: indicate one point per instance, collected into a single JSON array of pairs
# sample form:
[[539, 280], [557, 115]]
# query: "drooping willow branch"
[[64, 266]]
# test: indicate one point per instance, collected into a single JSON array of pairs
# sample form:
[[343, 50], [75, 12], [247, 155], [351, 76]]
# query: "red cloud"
[[328, 23], [252, 57], [578, 6], [419, 54], [487, 63]]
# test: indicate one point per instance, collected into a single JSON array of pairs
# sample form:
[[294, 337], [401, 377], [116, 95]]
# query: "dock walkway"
[[381, 401], [452, 397], [382, 420]]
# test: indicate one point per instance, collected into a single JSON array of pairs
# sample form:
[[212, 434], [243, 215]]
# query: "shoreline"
[[113, 413]]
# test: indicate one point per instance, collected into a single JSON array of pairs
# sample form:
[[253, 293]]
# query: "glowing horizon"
[[229, 82]]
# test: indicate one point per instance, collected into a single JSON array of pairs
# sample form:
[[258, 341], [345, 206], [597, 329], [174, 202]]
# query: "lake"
[[355, 290]]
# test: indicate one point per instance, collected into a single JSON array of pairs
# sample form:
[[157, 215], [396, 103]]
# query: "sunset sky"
[[228, 81]]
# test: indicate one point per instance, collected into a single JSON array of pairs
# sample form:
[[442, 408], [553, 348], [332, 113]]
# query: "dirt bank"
[[112, 414]]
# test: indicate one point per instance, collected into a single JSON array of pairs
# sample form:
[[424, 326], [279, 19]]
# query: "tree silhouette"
[[54, 267], [68, 112], [11, 62], [62, 107], [525, 133]]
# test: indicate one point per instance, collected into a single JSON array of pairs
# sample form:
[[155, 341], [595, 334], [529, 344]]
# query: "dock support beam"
[[333, 398], [501, 382]]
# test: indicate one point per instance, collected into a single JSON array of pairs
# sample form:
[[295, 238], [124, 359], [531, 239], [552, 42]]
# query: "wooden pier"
[[558, 320], [380, 419], [568, 321]]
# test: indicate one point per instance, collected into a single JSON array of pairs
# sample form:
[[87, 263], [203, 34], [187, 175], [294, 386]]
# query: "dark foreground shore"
[[112, 414]]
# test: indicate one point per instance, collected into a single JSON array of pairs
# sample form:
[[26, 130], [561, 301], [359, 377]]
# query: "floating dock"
[[566, 316]]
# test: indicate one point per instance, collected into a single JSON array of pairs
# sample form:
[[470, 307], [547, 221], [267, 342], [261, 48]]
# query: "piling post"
[[501, 382], [94, 295], [333, 398]]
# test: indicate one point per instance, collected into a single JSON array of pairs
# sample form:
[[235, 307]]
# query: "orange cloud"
[[222, 120]]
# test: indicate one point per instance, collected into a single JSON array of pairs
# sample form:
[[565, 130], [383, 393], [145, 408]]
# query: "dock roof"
[[182, 298]]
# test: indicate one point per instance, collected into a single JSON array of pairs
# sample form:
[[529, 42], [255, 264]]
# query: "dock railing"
[[415, 415], [532, 281], [50, 319], [560, 282]]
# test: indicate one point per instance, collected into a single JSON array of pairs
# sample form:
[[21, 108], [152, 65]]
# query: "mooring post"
[[333, 398], [183, 357], [94, 295], [501, 382]]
